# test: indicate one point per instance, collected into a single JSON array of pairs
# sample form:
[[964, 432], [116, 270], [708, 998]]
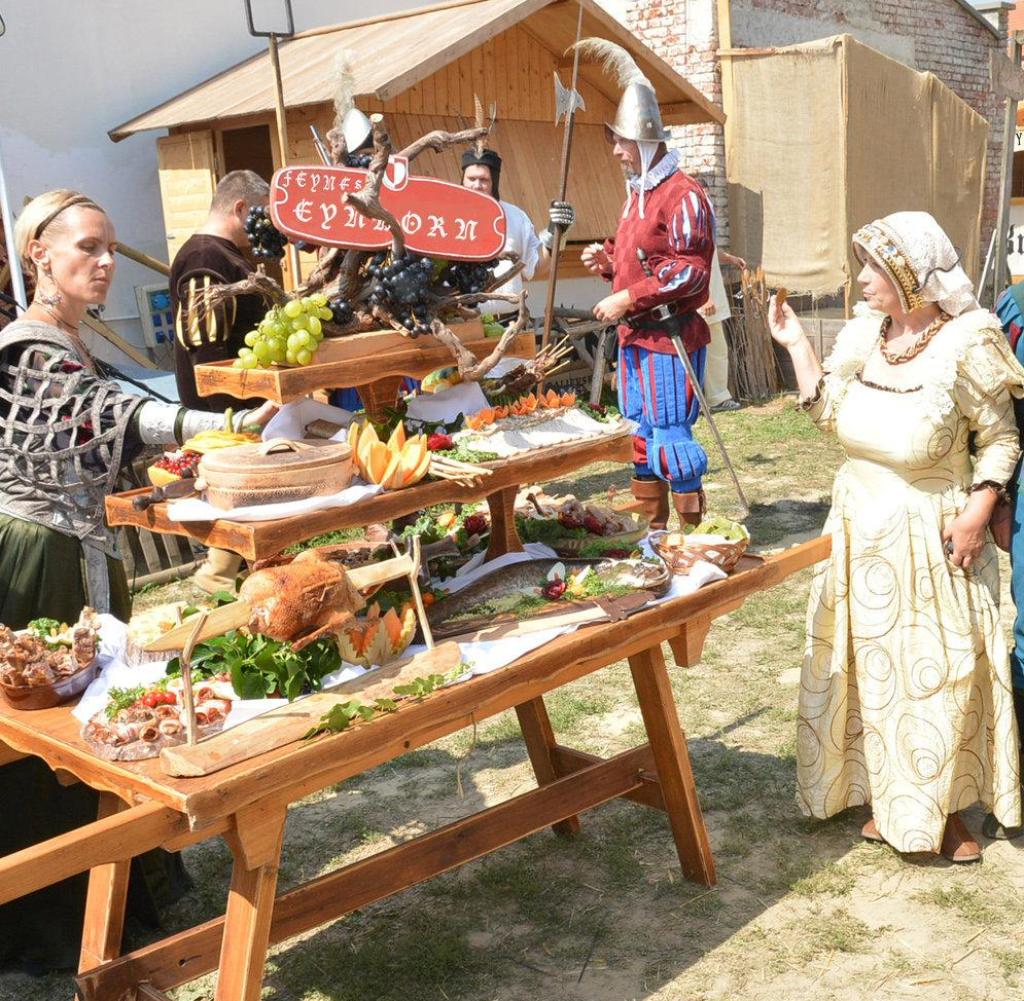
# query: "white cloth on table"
[[194, 509], [291, 420]]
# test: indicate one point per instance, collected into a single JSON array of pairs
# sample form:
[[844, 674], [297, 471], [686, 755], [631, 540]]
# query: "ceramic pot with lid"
[[274, 471]]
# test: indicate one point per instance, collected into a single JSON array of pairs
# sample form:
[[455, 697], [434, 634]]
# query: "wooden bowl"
[[54, 694], [680, 559]]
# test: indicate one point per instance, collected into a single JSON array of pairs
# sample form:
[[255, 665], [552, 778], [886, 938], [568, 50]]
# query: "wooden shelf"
[[257, 540], [353, 360]]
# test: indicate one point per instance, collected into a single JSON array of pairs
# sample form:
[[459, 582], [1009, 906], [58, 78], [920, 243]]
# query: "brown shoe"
[[958, 844], [652, 496], [690, 507], [869, 832]]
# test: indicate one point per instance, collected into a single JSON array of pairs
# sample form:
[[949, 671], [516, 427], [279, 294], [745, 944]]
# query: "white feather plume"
[[614, 59], [343, 86]]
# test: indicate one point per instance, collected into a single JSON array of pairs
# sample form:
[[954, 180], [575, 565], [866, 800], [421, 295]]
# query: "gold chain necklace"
[[917, 347]]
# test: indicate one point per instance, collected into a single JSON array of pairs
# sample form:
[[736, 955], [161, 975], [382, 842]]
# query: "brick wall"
[[945, 39]]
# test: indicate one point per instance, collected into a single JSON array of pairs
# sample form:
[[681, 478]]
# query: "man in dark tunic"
[[215, 255]]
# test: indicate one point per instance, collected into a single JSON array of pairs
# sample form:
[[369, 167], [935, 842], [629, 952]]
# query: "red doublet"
[[678, 235]]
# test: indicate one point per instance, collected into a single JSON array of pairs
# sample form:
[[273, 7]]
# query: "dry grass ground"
[[803, 909]]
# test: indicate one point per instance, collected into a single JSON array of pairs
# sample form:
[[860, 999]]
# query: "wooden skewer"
[[414, 585], [186, 678]]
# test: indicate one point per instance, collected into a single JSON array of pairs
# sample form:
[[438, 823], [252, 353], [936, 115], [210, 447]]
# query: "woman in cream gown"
[[905, 699]]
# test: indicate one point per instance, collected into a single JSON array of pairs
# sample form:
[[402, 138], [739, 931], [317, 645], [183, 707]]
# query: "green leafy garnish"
[[123, 698], [46, 627], [260, 667], [341, 716]]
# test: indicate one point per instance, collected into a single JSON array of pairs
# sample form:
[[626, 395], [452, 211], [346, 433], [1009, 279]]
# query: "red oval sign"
[[438, 218]]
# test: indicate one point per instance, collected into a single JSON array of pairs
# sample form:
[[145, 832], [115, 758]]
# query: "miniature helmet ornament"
[[356, 129]]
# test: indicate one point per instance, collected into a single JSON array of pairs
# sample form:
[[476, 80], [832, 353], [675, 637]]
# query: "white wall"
[[70, 70]]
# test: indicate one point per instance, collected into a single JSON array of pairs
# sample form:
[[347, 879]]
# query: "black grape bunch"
[[403, 287], [266, 240], [470, 277], [360, 160]]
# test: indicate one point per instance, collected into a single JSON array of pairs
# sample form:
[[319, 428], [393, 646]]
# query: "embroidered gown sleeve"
[[989, 378]]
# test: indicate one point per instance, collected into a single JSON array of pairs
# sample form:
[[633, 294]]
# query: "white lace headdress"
[[921, 260]]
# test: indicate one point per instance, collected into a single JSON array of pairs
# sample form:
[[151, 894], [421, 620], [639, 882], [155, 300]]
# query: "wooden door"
[[187, 167]]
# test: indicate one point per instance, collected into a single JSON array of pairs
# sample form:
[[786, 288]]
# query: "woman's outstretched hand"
[[783, 323]]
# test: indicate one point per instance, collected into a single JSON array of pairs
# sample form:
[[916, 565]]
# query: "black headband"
[[70, 203]]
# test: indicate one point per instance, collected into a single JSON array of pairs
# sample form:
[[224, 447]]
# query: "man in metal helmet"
[[660, 256], [481, 171]]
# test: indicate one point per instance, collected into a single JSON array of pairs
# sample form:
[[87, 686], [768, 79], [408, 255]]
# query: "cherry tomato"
[[149, 700]]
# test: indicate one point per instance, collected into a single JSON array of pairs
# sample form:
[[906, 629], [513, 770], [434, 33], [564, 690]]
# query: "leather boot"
[[218, 571], [652, 496], [690, 507]]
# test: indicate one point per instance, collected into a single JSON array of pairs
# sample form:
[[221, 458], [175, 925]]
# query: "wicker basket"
[[680, 559], [572, 547]]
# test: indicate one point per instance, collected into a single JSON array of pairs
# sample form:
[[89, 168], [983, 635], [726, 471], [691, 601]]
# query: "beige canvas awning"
[[879, 137], [391, 53]]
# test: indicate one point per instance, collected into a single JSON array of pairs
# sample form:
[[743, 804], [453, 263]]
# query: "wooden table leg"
[[504, 537], [688, 646], [380, 396], [256, 845], [540, 740], [672, 760], [105, 901]]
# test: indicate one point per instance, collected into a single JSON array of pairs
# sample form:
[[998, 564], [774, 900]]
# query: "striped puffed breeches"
[[655, 392]]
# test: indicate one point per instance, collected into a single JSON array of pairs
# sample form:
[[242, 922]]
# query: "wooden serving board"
[[259, 539], [353, 360], [285, 725]]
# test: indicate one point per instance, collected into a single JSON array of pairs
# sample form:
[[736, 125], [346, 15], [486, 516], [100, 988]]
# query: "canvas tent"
[[422, 68], [826, 136]]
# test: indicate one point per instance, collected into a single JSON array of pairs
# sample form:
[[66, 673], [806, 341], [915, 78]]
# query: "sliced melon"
[[392, 478], [397, 439]]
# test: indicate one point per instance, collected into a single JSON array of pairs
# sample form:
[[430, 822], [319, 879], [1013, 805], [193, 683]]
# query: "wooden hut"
[[422, 68]]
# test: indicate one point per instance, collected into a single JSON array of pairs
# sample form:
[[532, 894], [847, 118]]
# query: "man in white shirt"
[[716, 311], [481, 171]]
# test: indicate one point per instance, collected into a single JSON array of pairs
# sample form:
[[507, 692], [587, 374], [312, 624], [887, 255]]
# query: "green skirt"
[[42, 574]]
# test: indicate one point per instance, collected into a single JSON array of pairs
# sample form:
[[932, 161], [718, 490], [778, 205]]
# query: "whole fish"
[[454, 614]]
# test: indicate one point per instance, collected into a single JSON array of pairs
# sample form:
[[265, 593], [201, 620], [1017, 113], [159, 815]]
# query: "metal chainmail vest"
[[63, 434]]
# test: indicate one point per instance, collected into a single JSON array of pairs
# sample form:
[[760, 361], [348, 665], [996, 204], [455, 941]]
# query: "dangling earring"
[[49, 299]]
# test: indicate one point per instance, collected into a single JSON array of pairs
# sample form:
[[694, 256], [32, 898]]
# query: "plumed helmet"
[[356, 128], [637, 116]]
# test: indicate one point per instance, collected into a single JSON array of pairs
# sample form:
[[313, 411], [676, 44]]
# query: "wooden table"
[[142, 808], [259, 539]]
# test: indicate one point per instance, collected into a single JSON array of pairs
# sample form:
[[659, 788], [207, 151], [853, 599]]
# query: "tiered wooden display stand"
[[142, 807], [375, 362]]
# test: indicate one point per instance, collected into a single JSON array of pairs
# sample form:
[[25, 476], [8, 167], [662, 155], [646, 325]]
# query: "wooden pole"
[[108, 334], [1006, 185], [186, 678], [556, 235], [414, 586], [282, 142], [144, 259]]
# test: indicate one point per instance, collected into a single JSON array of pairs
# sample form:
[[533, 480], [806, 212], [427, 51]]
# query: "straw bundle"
[[754, 372]]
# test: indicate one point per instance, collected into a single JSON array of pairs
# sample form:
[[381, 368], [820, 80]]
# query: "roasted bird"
[[302, 601]]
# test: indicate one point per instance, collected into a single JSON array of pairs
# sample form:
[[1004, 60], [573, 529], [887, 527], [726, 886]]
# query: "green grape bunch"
[[287, 335]]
